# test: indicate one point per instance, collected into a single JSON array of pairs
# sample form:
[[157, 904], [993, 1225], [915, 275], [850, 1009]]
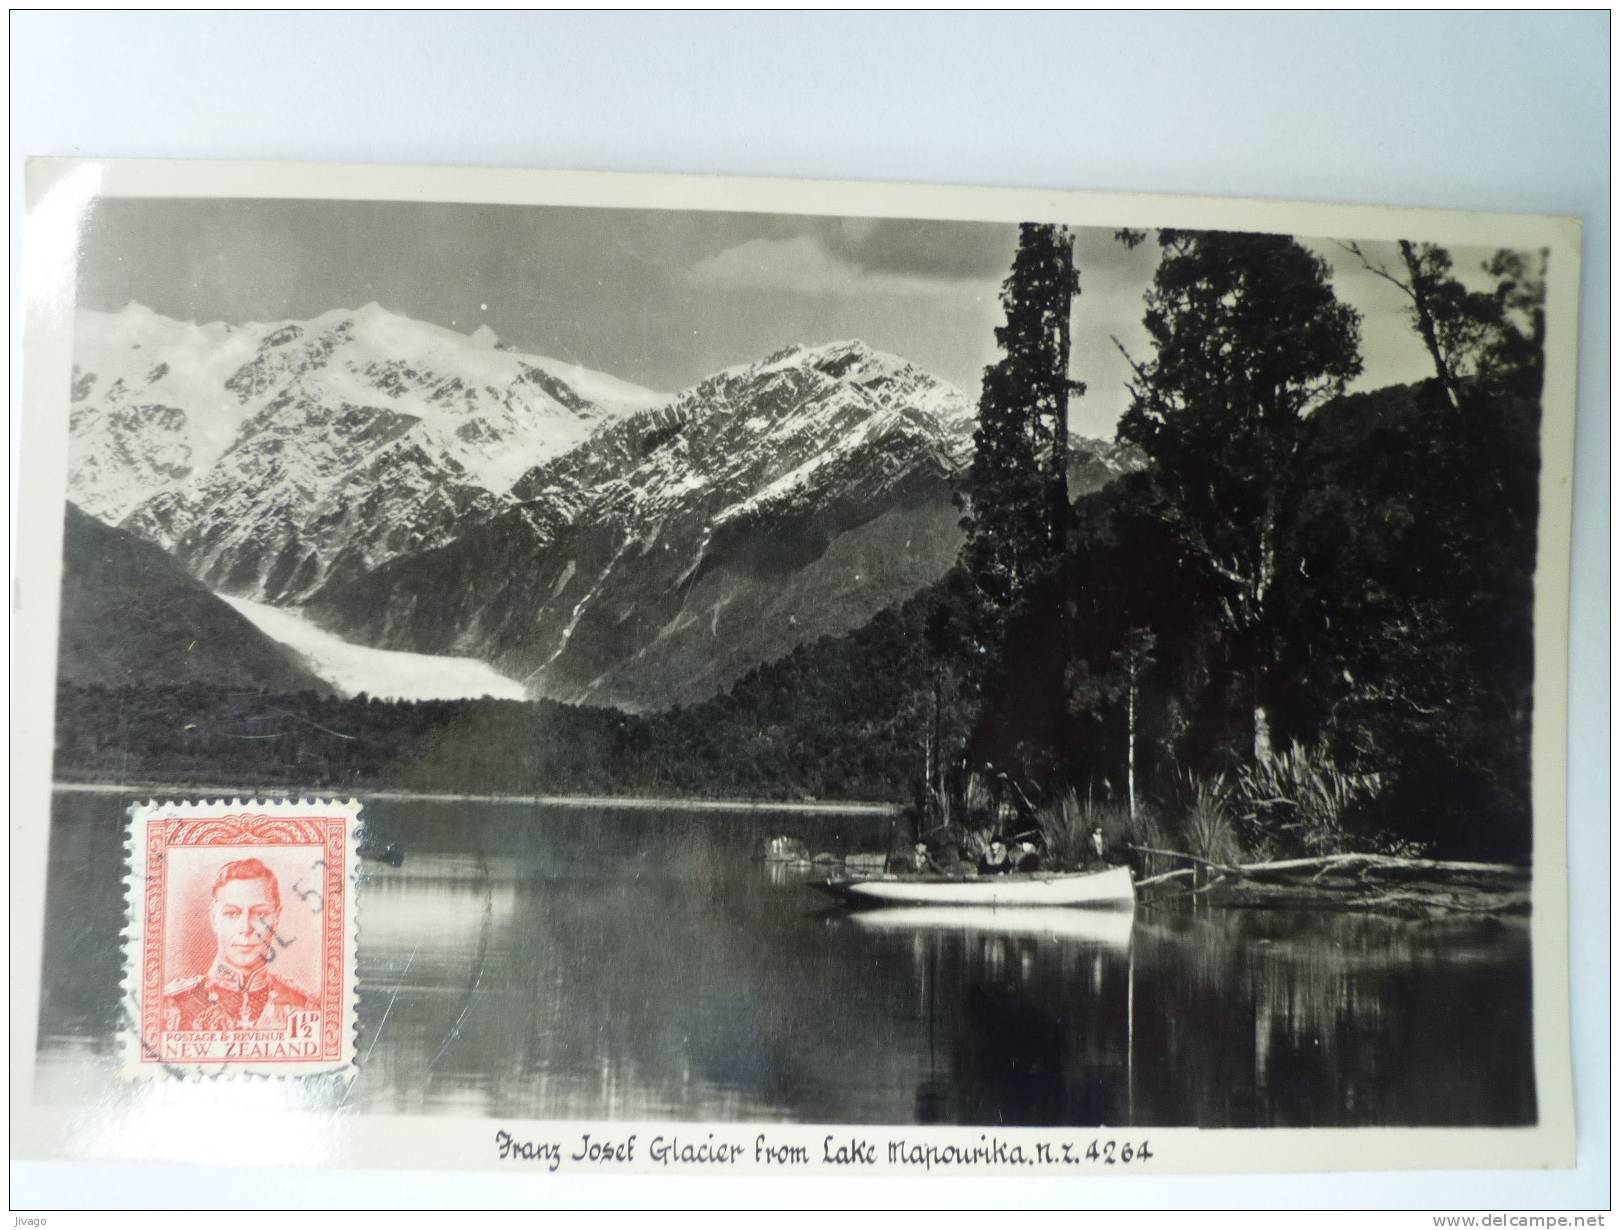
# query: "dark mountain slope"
[[132, 615]]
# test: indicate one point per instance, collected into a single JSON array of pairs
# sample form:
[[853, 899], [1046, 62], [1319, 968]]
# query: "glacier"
[[388, 674]]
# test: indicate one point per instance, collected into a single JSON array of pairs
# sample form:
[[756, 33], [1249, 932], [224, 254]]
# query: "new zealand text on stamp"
[[241, 939]]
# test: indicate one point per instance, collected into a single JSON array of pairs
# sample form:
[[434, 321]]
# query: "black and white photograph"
[[825, 669]]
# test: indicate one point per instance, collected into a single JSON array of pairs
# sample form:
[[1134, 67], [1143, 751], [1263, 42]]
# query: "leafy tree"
[[1248, 339], [1059, 711], [1408, 606], [1478, 338], [1516, 350]]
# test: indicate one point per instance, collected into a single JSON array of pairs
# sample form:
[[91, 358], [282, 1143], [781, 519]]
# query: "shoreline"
[[627, 802]]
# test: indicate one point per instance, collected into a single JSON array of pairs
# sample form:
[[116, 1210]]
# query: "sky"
[[662, 298]]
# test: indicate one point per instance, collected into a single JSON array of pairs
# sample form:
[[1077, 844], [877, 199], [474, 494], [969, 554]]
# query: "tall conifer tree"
[[1016, 494]]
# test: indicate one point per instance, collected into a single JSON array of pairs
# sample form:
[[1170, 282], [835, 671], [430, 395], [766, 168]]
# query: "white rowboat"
[[1111, 886]]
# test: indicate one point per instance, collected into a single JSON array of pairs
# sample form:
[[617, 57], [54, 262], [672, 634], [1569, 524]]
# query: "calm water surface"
[[557, 963]]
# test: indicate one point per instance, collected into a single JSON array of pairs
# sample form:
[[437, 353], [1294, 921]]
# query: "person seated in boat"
[[995, 860], [1026, 857], [919, 860]]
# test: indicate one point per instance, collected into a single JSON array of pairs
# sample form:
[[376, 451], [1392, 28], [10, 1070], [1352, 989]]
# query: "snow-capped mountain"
[[1093, 464], [677, 548], [763, 437], [415, 489], [272, 457]]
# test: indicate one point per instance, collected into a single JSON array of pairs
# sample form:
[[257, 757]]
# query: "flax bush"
[[1298, 801], [1068, 819], [1209, 820]]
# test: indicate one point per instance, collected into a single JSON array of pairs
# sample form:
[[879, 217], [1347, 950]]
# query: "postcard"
[[569, 673]]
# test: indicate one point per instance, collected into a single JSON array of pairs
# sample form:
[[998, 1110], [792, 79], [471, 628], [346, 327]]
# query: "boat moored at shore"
[[1109, 887]]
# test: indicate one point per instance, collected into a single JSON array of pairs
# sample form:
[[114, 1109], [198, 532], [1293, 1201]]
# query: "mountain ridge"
[[681, 546], [252, 451]]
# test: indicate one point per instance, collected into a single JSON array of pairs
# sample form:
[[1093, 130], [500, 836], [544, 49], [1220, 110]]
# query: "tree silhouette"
[[1247, 339], [1016, 496], [1475, 338]]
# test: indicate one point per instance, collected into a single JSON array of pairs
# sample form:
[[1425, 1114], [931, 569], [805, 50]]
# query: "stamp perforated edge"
[[134, 939]]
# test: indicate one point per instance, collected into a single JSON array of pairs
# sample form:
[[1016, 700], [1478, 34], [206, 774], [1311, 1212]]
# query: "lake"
[[557, 962]]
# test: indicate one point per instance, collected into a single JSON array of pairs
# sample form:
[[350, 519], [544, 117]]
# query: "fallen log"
[[1381, 860], [1165, 878], [1413, 900], [1371, 882], [1191, 858], [1390, 866]]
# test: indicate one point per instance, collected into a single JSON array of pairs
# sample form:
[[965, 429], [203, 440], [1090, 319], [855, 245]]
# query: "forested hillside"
[[839, 718]]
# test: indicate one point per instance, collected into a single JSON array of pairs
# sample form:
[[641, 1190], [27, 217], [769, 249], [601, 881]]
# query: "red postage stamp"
[[240, 948]]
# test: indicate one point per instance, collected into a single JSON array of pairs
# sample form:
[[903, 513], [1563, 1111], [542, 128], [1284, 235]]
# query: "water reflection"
[[1107, 928], [791, 875], [563, 963]]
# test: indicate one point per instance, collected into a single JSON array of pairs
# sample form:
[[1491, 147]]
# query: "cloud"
[[922, 248], [812, 265]]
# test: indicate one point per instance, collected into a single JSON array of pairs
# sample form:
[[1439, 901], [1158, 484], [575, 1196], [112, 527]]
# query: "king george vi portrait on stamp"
[[238, 991], [241, 945]]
